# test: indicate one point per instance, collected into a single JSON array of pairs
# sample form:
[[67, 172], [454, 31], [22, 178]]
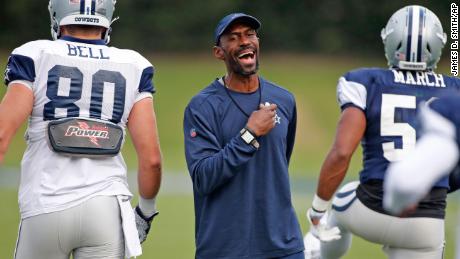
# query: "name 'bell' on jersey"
[[390, 98], [71, 77]]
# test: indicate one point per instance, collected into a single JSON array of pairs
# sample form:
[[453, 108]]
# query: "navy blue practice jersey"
[[390, 98]]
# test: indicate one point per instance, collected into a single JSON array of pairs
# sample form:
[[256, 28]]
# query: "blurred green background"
[[328, 26], [305, 47]]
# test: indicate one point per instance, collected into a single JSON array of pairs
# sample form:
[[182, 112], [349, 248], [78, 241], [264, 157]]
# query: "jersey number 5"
[[390, 128], [57, 100]]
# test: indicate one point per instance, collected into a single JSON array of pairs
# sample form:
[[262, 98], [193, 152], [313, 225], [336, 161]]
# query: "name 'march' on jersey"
[[390, 99]]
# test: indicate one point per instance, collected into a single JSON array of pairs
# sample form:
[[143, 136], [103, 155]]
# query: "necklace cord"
[[234, 101]]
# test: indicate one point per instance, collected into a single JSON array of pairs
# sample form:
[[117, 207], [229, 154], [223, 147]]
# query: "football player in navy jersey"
[[378, 110], [239, 134], [80, 96]]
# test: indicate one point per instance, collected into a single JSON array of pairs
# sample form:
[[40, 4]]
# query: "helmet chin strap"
[[109, 30], [54, 29], [442, 37]]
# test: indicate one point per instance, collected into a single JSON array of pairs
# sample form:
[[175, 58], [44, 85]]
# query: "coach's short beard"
[[238, 69]]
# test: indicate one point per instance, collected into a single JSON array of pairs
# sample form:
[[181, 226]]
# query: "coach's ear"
[[218, 52]]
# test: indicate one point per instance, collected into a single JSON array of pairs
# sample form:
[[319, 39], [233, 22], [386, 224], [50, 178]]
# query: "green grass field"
[[172, 233], [311, 78]]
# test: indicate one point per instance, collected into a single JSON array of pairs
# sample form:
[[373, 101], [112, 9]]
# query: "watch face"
[[247, 137]]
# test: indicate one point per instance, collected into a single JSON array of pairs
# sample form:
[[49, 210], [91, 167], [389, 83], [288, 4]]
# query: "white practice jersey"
[[74, 78]]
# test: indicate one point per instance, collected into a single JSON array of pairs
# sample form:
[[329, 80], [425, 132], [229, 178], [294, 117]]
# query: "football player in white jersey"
[[80, 95], [378, 111]]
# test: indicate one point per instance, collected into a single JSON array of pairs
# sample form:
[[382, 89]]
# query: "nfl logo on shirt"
[[193, 132]]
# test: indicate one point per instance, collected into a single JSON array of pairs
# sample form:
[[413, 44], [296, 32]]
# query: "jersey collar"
[[73, 39]]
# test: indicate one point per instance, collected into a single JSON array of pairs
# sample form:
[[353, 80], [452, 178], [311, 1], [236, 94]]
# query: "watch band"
[[251, 139], [250, 131], [255, 143]]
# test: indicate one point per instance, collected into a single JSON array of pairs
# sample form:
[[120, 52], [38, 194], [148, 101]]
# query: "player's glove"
[[312, 246], [320, 229], [143, 223]]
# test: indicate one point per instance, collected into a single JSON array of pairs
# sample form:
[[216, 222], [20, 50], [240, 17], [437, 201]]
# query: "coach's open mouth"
[[247, 56]]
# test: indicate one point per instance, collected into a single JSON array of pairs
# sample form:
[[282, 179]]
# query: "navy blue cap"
[[231, 18]]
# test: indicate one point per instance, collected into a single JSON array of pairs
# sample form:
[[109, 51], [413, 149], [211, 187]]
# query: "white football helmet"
[[81, 12], [413, 39]]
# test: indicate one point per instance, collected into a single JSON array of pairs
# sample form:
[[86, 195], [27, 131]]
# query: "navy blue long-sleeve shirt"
[[242, 196]]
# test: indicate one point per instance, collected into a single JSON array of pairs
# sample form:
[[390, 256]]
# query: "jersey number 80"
[[75, 93]]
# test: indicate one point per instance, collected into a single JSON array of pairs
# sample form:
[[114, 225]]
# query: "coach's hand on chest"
[[268, 123], [262, 121]]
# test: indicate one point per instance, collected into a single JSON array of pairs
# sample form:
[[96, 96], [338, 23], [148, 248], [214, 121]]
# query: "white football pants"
[[90, 230], [402, 238]]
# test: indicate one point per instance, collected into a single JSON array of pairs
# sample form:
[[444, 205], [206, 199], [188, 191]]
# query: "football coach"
[[239, 134]]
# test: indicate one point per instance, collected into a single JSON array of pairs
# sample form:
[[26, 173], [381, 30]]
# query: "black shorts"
[[433, 205]]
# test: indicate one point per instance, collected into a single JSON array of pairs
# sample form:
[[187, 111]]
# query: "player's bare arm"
[[350, 130], [142, 126], [143, 129], [15, 107]]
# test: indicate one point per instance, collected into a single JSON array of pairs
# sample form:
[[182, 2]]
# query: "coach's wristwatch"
[[249, 137]]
